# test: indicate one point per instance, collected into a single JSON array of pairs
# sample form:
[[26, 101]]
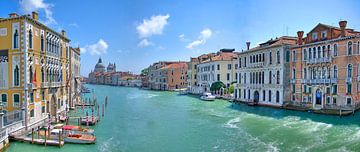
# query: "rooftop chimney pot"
[[342, 25], [35, 16], [12, 15], [300, 36], [63, 33], [248, 45]]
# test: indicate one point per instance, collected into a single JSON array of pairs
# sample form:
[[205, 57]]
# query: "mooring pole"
[[45, 137], [38, 132], [32, 135], [102, 110]]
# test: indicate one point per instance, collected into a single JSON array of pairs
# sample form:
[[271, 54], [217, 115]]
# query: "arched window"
[[16, 76], [270, 76], [31, 74], [277, 96], [305, 54], [42, 75], [323, 51], [350, 69], [328, 51], [30, 39], [335, 50], [293, 74], [319, 52], [42, 43], [16, 39], [349, 48], [314, 51], [277, 77], [305, 73], [269, 95], [310, 53]]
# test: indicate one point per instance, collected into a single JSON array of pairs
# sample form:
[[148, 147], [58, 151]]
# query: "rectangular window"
[[245, 62], [328, 99], [294, 56], [228, 76], [236, 76], [314, 36], [240, 63], [287, 56], [42, 95], [218, 67], [334, 100], [32, 113], [323, 34], [229, 66], [270, 58], [334, 89], [31, 97], [4, 99], [16, 100], [43, 109], [304, 89], [293, 88], [218, 77], [348, 90], [348, 101], [269, 96]]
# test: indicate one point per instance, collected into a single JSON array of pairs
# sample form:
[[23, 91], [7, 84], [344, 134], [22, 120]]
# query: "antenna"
[[287, 30]]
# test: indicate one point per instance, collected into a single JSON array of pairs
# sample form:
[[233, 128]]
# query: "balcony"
[[31, 86], [318, 81], [256, 65], [45, 84], [319, 60], [292, 80], [303, 81], [334, 80], [348, 80]]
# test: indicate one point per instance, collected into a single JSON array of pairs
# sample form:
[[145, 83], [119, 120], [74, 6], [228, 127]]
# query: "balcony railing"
[[319, 60], [348, 80], [255, 65], [318, 81], [31, 86], [45, 84]]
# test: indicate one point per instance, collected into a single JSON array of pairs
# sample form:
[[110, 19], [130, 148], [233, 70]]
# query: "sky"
[[136, 33]]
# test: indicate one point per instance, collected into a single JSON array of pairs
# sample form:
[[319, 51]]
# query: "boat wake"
[[232, 123]]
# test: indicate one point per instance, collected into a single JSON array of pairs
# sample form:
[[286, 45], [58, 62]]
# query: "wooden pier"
[[49, 142]]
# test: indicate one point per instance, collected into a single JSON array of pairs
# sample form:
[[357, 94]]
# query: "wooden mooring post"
[[60, 139], [32, 135], [45, 137], [102, 110]]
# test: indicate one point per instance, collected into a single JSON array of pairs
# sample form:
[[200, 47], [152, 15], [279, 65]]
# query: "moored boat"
[[79, 138], [207, 96], [79, 129]]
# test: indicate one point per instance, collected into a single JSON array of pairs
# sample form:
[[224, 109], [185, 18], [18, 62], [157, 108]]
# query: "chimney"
[[12, 15], [342, 25], [300, 36], [248, 45], [63, 33], [35, 16]]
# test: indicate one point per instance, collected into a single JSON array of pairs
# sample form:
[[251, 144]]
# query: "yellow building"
[[34, 68]]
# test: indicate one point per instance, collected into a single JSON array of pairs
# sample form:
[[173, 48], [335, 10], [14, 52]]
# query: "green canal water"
[[141, 120]]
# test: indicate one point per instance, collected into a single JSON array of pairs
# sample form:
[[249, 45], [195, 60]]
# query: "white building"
[[263, 73]]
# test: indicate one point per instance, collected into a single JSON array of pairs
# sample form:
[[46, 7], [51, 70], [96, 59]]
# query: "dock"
[[49, 142]]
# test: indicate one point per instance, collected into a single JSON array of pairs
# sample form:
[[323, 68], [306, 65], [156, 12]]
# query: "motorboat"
[[183, 92], [73, 137], [207, 96], [78, 129]]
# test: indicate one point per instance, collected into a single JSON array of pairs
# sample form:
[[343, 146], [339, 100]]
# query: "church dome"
[[99, 67]]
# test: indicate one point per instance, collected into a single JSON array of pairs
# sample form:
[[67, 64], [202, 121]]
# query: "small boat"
[[207, 96], [79, 138], [78, 129], [90, 120], [183, 92]]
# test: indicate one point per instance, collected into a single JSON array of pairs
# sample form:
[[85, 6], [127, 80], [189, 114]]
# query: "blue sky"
[[136, 33]]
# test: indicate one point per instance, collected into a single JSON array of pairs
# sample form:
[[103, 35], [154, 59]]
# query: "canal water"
[[141, 120]]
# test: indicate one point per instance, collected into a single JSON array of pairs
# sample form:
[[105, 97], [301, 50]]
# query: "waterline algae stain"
[[142, 120]]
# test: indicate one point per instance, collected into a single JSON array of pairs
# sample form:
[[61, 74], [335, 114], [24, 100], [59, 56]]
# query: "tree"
[[232, 88], [217, 86]]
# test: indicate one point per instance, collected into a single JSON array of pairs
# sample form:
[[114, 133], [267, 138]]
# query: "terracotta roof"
[[222, 56], [284, 40], [175, 65]]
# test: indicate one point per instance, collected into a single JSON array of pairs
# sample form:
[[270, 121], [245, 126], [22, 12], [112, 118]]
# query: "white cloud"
[[153, 26], [204, 35], [183, 38], [144, 43], [97, 48], [28, 6]]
